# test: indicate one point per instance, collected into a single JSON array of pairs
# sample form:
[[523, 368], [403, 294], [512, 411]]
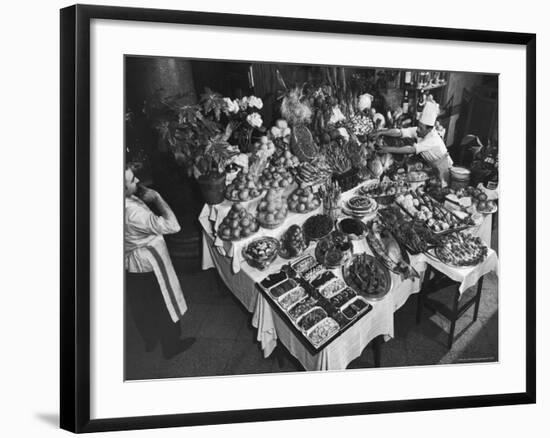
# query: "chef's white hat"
[[365, 101], [429, 113]]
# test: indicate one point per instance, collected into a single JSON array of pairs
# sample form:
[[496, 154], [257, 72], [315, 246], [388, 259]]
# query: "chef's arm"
[[398, 150], [167, 213], [392, 132]]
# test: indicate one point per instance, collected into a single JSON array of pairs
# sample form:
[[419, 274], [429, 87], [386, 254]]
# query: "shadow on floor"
[[226, 341]]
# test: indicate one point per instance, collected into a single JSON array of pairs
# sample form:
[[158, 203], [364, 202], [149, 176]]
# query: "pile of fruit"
[[293, 242], [275, 177], [242, 188], [286, 159], [303, 200], [238, 224], [272, 209]]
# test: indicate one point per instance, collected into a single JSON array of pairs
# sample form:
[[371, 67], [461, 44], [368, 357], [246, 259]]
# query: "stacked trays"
[[317, 303]]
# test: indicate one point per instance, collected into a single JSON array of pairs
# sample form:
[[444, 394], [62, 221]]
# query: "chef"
[[428, 142], [153, 291]]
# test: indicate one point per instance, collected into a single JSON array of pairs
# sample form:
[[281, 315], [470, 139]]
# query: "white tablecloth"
[[241, 279], [212, 215], [467, 276], [348, 346]]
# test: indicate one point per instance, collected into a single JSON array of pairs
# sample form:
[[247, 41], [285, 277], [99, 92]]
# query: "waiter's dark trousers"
[[147, 308]]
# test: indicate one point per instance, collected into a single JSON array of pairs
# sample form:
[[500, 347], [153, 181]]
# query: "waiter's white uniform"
[[145, 251], [431, 147]]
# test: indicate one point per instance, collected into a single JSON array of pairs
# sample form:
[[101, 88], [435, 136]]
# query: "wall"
[[455, 87]]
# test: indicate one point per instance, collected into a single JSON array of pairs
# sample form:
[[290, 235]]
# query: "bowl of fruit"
[[303, 200], [243, 188], [293, 242], [238, 224], [272, 209]]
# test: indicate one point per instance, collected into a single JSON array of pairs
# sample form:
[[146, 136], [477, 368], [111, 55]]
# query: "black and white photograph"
[[289, 218]]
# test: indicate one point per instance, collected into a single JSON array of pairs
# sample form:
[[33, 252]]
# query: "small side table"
[[438, 282]]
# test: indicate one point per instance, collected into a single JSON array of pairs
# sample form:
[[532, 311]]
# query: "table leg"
[[279, 355], [478, 297], [421, 294], [377, 346], [454, 317]]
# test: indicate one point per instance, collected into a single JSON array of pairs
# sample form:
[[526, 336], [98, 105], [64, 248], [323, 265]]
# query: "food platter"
[[488, 211], [460, 251], [352, 227], [318, 308], [360, 206], [318, 226], [261, 252], [389, 251], [417, 176], [367, 276], [439, 219], [333, 250]]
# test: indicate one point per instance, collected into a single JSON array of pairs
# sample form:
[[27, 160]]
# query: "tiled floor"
[[226, 342]]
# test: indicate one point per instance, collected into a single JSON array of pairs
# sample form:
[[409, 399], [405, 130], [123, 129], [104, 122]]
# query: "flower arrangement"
[[200, 135]]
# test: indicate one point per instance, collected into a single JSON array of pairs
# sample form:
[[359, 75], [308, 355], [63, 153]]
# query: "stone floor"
[[226, 344]]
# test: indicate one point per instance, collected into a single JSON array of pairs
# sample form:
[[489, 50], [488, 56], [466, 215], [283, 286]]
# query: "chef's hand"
[[148, 195], [374, 135]]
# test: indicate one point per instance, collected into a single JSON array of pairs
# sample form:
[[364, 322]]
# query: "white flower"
[[243, 103], [336, 115], [276, 132], [254, 120], [344, 133], [231, 106], [281, 124], [255, 102]]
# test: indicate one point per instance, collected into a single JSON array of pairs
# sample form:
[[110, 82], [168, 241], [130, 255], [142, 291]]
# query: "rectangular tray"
[[332, 312]]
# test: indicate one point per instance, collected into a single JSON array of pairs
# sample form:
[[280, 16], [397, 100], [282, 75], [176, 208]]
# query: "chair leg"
[[478, 297], [454, 317]]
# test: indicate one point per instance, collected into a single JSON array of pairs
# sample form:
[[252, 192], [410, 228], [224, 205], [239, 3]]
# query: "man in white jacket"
[[153, 291], [428, 142]]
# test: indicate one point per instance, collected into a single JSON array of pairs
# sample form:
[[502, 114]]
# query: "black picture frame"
[[75, 216]]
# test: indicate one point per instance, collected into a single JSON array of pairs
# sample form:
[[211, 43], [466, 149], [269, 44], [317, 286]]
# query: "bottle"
[[408, 76], [406, 102]]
